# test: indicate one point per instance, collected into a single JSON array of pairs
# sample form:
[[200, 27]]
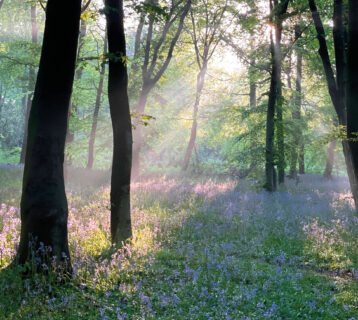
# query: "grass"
[[203, 249]]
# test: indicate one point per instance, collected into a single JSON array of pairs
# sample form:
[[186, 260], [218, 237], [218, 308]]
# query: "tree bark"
[[270, 124], [121, 228], [338, 89], [352, 95], [275, 102], [92, 138], [44, 209]]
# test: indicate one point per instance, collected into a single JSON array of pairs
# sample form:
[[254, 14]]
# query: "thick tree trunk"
[[330, 159], [31, 85], [44, 209], [121, 228], [352, 96], [339, 89], [92, 138]]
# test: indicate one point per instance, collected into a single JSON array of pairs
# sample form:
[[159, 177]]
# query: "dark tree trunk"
[[352, 94], [92, 138], [281, 8], [1, 3], [330, 159], [31, 85], [275, 103], [270, 125], [301, 159], [44, 209], [337, 88], [121, 228]]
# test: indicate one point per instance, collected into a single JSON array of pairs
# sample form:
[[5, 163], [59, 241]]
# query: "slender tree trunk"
[[270, 124], [31, 85], [1, 3], [296, 114], [44, 209], [301, 160], [138, 131], [279, 104], [70, 135], [352, 95], [150, 76], [200, 81], [275, 103], [121, 228], [253, 102], [330, 159], [92, 138]]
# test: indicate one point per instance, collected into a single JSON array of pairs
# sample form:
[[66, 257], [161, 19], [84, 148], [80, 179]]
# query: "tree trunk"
[[338, 89], [150, 76], [44, 209], [330, 159], [279, 104], [352, 96], [92, 138], [275, 103], [1, 3], [31, 85], [70, 135], [296, 114], [138, 131], [121, 228], [200, 81], [270, 125], [301, 159]]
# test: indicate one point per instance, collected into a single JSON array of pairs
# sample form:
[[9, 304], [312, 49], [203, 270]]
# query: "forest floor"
[[204, 248]]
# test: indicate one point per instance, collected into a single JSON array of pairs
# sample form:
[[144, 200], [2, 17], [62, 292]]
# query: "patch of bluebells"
[[224, 248]]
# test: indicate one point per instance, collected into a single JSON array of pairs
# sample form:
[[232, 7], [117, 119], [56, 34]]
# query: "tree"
[[153, 67], [297, 144], [352, 91], [44, 208], [206, 37], [336, 80], [278, 10], [31, 84], [121, 228], [92, 138]]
